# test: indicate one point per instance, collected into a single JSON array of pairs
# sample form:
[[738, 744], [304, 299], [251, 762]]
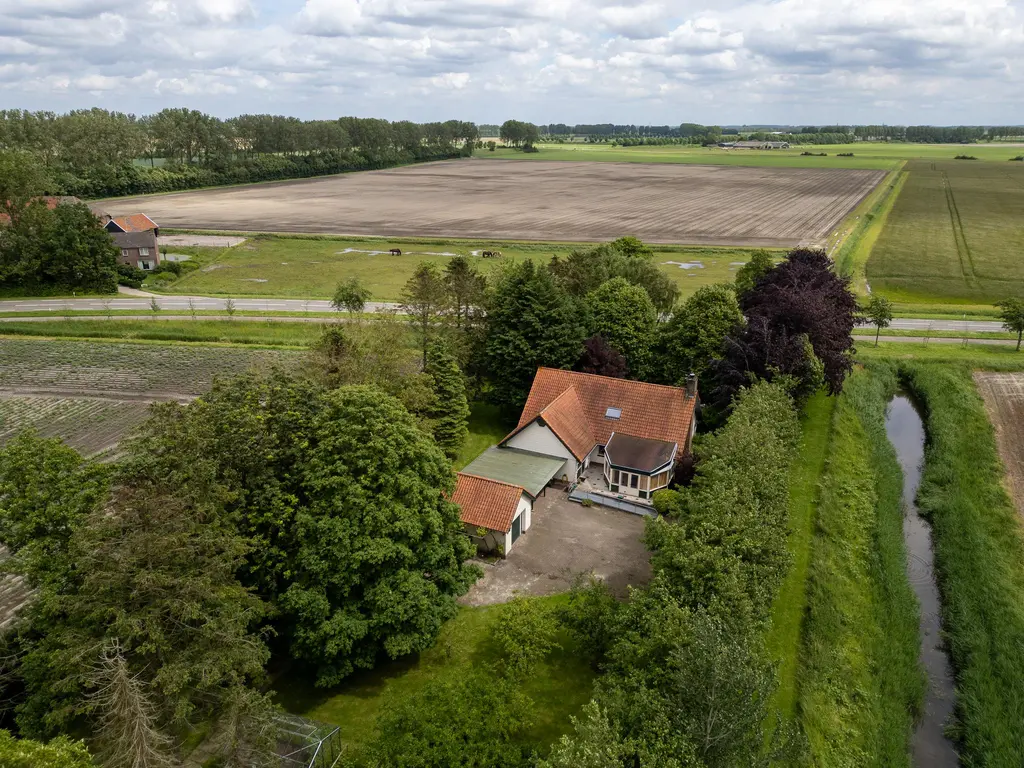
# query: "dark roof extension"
[[639, 453], [134, 239]]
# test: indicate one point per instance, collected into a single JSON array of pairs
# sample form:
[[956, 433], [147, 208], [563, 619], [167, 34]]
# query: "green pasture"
[[248, 332], [560, 687], [955, 235], [296, 267], [866, 155]]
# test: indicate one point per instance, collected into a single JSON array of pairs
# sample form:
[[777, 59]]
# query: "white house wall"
[[540, 439], [525, 511]]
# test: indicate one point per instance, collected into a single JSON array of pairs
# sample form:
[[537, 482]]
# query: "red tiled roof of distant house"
[[137, 222]]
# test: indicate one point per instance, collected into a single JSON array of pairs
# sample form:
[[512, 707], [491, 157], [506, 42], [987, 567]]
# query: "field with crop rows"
[[152, 371], [956, 232], [1004, 400], [538, 201], [89, 425]]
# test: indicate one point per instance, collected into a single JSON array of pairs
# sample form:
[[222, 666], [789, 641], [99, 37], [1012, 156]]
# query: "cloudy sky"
[[573, 61]]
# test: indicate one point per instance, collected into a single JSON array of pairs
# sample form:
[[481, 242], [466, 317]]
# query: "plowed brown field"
[[1004, 400], [543, 201]]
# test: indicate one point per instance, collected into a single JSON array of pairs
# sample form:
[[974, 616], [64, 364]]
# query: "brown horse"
[[487, 254], [395, 251]]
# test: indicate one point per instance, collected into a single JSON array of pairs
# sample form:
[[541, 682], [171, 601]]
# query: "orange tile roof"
[[137, 222], [51, 204], [648, 410], [487, 503], [566, 418]]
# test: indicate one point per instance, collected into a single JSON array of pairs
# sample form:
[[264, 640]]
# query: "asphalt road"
[[181, 303]]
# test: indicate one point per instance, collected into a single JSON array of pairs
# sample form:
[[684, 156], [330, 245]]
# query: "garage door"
[[517, 528]]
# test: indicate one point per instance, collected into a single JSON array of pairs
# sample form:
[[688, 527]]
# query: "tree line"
[[93, 153]]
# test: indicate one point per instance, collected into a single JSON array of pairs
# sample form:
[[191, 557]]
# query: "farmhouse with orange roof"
[[612, 441]]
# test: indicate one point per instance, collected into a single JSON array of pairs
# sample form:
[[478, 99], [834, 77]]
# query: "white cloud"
[[656, 61]]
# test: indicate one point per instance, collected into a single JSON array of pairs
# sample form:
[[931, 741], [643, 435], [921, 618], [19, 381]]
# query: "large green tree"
[[696, 333], [760, 264], [155, 573], [530, 322], [345, 502], [46, 491], [583, 271], [451, 409], [625, 316], [379, 556]]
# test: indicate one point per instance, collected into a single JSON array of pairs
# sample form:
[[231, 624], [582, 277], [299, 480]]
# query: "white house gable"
[[539, 438]]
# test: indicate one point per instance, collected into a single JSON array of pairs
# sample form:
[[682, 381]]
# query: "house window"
[[124, 252], [600, 450], [613, 413], [143, 251], [145, 265], [634, 480], [615, 476], [643, 494]]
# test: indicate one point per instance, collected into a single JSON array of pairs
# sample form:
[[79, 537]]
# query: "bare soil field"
[[1004, 400], [541, 201]]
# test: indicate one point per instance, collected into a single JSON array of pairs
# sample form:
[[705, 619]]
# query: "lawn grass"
[[954, 235], [486, 428], [859, 680], [247, 332], [299, 267], [560, 686], [979, 558], [783, 641]]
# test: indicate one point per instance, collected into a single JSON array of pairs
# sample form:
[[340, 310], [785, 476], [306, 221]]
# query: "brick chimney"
[[691, 385]]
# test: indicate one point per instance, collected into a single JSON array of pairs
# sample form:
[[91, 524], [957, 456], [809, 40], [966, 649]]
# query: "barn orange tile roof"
[[487, 503], [647, 410], [51, 204], [137, 222]]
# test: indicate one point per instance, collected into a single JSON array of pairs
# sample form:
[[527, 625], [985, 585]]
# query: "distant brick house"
[[137, 237]]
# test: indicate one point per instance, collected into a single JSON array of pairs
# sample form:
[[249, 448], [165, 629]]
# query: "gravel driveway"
[[565, 539]]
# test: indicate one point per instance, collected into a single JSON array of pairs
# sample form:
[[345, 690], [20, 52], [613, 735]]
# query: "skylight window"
[[613, 413]]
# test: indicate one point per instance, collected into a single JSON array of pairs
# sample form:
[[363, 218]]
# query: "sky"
[[727, 62]]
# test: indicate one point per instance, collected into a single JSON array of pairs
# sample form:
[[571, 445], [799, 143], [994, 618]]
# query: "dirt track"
[[1004, 400], [567, 201]]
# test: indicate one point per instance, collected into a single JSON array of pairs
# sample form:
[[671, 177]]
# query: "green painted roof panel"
[[532, 471]]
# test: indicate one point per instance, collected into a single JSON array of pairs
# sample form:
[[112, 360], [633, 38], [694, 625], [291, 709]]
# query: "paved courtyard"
[[565, 539]]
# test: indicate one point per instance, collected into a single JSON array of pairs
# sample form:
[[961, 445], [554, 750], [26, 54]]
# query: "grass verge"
[[783, 641], [859, 680], [561, 685], [979, 556], [273, 334]]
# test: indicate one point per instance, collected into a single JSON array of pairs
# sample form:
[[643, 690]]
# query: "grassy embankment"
[[954, 236], [783, 641], [859, 680], [486, 428], [310, 267], [559, 688], [979, 555]]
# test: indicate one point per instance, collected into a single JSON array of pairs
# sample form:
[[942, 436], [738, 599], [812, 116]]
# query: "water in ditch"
[[931, 748]]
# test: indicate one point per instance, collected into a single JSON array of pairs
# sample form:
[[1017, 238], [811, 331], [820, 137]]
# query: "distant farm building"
[[136, 236], [754, 144]]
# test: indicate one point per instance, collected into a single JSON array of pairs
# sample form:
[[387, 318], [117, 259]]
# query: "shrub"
[[815, 154], [130, 276], [845, 154], [1017, 159], [164, 276], [965, 157]]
